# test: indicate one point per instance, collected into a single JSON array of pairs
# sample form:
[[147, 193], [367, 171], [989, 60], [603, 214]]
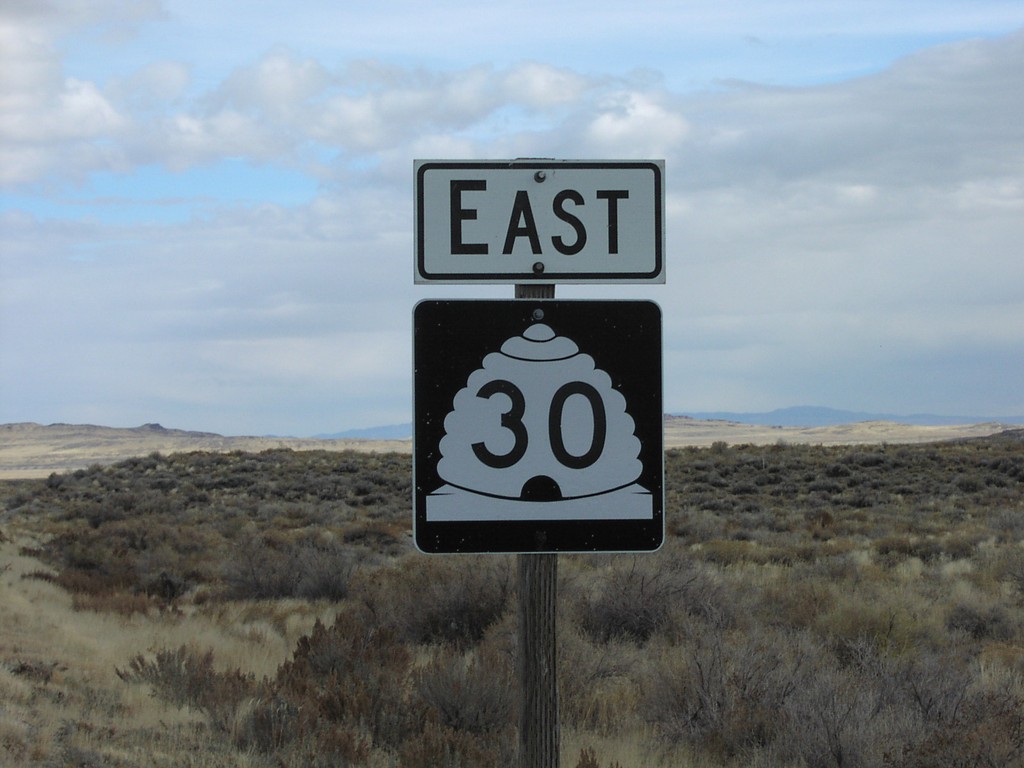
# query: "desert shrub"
[[165, 587], [447, 748], [350, 690], [273, 725], [597, 681], [969, 483], [981, 622], [468, 692], [695, 525], [796, 602], [324, 570], [733, 552], [265, 723], [273, 567], [868, 707], [854, 619], [352, 673], [744, 488], [1009, 524], [260, 570], [448, 601], [87, 565], [904, 546], [1002, 659], [867, 457], [959, 547], [727, 693], [186, 677], [825, 486], [1011, 570], [19, 494], [636, 601], [840, 717], [935, 686], [632, 603], [385, 538], [819, 519], [988, 730], [122, 603], [588, 759]]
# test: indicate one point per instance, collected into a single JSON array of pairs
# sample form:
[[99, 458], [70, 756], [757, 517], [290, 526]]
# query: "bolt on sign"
[[540, 220], [538, 426]]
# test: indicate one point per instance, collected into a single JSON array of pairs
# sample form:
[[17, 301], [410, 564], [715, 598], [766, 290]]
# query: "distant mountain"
[[811, 416], [390, 432], [797, 416]]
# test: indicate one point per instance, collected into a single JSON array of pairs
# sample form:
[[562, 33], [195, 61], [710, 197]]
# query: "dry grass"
[[59, 694]]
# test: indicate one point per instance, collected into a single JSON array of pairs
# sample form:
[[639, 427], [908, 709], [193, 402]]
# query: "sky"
[[206, 214]]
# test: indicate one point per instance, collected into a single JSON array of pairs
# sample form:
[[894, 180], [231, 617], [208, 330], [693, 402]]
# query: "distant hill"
[[28, 449], [812, 416], [33, 450], [797, 416], [389, 432]]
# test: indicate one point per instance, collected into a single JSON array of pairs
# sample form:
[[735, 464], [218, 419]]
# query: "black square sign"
[[538, 426]]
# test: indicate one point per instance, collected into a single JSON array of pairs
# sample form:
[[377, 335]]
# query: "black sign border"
[[527, 276], [450, 340]]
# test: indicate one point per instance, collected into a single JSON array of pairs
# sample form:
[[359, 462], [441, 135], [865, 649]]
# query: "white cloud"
[[821, 240], [343, 360], [80, 111], [155, 87], [279, 86], [538, 86], [922, 118], [115, 18], [637, 121], [840, 238], [185, 140], [48, 122], [938, 116]]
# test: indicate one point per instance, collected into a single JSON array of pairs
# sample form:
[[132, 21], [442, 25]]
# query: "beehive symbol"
[[539, 433]]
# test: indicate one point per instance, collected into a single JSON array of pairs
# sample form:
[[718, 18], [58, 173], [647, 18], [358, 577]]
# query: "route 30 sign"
[[538, 426], [518, 221]]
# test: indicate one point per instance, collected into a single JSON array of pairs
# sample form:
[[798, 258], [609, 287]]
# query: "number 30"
[[512, 420]]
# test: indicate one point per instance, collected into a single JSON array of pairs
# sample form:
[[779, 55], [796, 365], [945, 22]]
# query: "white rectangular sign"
[[519, 221]]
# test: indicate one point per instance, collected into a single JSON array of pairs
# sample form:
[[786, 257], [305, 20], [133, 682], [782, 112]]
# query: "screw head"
[[539, 176], [538, 267]]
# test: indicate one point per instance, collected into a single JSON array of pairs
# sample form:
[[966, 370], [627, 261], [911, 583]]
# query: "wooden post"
[[538, 694], [537, 668]]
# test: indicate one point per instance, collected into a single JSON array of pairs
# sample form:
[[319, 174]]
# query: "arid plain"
[[851, 595], [30, 450]]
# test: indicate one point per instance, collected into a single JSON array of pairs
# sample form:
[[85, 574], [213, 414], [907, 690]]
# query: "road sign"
[[538, 426], [520, 221]]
